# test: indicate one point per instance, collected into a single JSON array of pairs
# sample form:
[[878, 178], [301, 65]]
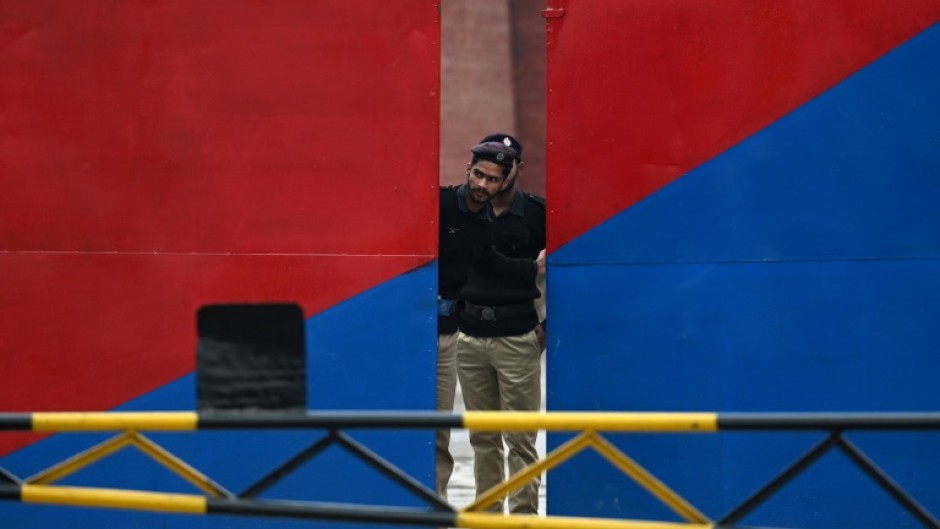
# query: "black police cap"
[[506, 140]]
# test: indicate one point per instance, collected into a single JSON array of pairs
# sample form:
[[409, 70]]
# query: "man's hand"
[[540, 261], [540, 333]]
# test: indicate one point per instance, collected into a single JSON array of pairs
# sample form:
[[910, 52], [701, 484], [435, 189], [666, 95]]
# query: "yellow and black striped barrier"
[[41, 489], [192, 504], [687, 422]]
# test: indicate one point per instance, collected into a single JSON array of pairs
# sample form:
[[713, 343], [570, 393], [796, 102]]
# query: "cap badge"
[[500, 156], [506, 142]]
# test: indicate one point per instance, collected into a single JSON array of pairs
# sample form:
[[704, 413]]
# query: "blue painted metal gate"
[[744, 214]]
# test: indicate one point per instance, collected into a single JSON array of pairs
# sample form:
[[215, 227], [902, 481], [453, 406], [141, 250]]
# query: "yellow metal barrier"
[[115, 499], [597, 421], [41, 488], [498, 521], [84, 422]]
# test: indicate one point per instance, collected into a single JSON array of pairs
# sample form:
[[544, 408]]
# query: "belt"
[[481, 312]]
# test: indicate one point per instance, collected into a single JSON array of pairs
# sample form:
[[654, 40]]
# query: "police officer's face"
[[484, 180]]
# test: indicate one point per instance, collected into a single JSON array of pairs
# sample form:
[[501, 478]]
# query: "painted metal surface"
[[743, 212], [651, 89], [159, 156]]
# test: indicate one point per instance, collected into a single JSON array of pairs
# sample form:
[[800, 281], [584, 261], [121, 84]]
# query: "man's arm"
[[541, 302], [492, 263]]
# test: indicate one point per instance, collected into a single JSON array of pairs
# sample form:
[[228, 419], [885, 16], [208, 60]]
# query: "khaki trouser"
[[446, 387], [504, 374]]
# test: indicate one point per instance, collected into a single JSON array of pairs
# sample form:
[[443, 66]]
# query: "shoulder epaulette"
[[535, 198]]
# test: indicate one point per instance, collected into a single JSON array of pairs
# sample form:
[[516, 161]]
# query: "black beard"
[[473, 196]]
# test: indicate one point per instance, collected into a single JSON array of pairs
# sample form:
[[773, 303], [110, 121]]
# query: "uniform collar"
[[462, 198], [517, 206]]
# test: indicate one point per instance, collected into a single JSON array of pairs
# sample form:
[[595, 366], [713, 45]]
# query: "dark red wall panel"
[[216, 126], [159, 155]]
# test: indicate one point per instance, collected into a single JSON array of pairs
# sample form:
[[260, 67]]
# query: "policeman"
[[466, 223], [501, 339]]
